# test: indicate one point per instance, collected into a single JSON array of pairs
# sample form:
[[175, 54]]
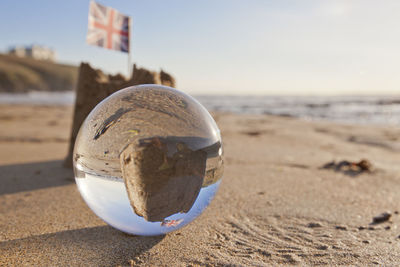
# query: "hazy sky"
[[231, 47]]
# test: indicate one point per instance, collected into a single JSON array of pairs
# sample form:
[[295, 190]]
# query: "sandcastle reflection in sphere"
[[148, 159]]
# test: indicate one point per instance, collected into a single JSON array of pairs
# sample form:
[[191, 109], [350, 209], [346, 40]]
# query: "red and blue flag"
[[108, 28]]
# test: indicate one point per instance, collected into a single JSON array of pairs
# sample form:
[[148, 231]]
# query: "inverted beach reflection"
[[109, 200]]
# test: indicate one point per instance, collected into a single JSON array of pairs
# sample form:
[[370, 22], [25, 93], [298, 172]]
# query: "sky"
[[236, 47]]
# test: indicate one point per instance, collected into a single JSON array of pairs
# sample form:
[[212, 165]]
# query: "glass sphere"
[[148, 159]]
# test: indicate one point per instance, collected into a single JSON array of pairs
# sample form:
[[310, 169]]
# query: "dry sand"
[[275, 204]]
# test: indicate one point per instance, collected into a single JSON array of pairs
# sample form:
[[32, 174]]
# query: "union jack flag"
[[108, 28], [171, 223]]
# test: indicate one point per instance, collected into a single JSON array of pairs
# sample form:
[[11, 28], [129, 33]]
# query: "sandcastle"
[[93, 86]]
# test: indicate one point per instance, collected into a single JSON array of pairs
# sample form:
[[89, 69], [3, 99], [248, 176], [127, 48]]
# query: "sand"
[[276, 205]]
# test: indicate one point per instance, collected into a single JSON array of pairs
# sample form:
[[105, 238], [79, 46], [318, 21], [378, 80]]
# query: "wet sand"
[[276, 205]]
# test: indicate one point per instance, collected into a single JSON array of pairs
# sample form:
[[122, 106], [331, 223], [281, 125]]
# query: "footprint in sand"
[[257, 241]]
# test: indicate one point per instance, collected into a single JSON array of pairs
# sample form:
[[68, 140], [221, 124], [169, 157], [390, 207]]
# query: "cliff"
[[20, 75]]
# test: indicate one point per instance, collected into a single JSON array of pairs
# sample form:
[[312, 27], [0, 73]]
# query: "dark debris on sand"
[[314, 225], [349, 167], [381, 218]]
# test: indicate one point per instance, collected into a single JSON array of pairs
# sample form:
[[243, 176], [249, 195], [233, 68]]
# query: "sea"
[[379, 110]]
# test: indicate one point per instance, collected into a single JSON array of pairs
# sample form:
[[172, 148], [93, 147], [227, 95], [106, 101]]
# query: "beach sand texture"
[[276, 205]]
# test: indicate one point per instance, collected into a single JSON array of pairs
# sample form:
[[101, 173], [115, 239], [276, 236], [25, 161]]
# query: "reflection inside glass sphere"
[[148, 159]]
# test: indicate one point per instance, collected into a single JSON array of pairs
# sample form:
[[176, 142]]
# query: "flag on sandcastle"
[[108, 28]]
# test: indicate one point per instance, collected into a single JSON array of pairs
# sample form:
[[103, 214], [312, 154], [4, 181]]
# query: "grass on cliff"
[[24, 74]]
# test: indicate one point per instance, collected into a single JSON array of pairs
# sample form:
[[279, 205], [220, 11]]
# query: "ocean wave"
[[39, 98], [382, 110]]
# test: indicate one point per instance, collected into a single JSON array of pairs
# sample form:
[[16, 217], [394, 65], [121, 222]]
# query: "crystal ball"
[[148, 159]]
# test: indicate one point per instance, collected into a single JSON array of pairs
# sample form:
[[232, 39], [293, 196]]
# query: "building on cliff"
[[37, 52]]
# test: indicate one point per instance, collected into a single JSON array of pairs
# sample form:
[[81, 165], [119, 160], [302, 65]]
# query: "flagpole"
[[129, 50]]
